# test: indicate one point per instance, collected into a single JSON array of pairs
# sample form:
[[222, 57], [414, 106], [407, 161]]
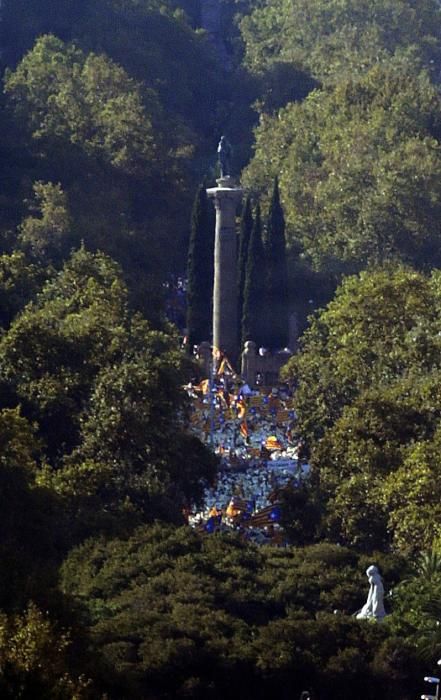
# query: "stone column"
[[226, 197]]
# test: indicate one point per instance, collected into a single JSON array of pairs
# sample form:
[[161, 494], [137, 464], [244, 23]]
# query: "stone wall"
[[262, 367], [259, 367]]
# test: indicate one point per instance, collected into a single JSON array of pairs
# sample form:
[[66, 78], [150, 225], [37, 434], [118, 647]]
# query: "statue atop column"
[[224, 151], [226, 197], [373, 609]]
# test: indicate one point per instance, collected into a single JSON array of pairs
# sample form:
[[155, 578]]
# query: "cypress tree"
[[254, 290], [276, 281], [246, 226], [200, 270]]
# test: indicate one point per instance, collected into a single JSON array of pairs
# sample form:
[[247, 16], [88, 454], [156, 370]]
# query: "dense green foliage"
[[276, 286], [334, 38], [109, 118], [99, 445], [172, 614], [246, 227], [35, 659], [253, 318], [105, 391], [373, 416], [359, 169], [200, 270], [28, 516], [102, 106]]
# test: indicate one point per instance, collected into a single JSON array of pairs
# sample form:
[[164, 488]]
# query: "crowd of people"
[[254, 434]]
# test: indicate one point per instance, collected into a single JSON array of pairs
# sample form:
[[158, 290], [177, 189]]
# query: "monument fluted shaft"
[[226, 198]]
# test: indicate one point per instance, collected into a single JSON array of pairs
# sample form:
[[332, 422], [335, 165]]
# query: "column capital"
[[225, 197]]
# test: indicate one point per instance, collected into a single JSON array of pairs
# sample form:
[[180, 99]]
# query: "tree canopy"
[[359, 169], [172, 612], [334, 39], [375, 406], [109, 119]]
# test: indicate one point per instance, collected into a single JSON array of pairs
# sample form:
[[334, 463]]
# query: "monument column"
[[226, 197]]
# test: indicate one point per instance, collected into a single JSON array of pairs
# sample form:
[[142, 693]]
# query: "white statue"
[[373, 609]]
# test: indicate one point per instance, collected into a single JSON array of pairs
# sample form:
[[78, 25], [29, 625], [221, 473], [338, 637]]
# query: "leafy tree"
[[200, 270], [153, 42], [89, 127], [334, 39], [18, 444], [359, 169], [57, 345], [106, 393], [373, 415], [86, 101], [35, 660], [134, 461], [44, 236], [276, 284], [128, 159], [416, 607], [30, 544], [411, 497], [254, 288], [246, 227], [171, 611], [281, 83], [381, 327], [362, 456], [20, 280], [103, 136]]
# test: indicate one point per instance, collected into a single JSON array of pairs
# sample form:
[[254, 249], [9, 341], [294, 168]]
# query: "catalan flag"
[[232, 509], [272, 443], [256, 401], [225, 366], [204, 386], [241, 408], [239, 506], [282, 416], [266, 516]]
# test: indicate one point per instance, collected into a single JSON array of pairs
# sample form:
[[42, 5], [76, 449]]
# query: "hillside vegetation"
[[110, 115]]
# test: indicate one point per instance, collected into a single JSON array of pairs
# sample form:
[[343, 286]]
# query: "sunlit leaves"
[[333, 38], [359, 169], [84, 100]]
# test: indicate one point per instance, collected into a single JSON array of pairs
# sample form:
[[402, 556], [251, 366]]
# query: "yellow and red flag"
[[241, 408], [244, 429], [272, 443]]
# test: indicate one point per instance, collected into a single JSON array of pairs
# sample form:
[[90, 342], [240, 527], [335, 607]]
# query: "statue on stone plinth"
[[373, 609], [224, 157]]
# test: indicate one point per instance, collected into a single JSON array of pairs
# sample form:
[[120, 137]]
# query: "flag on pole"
[[241, 408], [225, 366], [244, 429]]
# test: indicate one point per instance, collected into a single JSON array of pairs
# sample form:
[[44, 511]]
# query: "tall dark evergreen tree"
[[254, 290], [276, 280], [246, 226], [200, 270]]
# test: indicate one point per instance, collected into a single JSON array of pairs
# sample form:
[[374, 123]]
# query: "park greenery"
[[110, 113]]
